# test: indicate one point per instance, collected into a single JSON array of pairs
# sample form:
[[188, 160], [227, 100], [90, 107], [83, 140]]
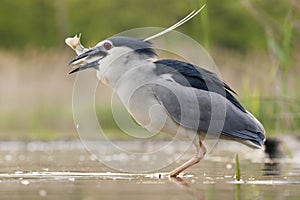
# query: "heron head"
[[111, 49]]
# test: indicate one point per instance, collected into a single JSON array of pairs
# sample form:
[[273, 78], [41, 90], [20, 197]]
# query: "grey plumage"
[[237, 124]]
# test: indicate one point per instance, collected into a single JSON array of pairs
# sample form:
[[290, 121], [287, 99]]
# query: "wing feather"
[[190, 102], [197, 77]]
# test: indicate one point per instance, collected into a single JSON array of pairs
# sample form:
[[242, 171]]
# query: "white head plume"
[[187, 18]]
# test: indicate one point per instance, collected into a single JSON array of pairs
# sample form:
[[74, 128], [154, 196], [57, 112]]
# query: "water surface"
[[65, 170]]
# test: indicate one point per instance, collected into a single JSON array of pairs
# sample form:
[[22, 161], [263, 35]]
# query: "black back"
[[196, 77]]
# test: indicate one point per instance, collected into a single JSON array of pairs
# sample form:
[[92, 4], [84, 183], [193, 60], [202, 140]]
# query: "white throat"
[[122, 64]]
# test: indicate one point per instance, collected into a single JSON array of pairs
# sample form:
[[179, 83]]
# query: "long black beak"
[[93, 64], [93, 55]]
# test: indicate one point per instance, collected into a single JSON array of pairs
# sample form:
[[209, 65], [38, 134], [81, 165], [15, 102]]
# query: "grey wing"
[[183, 105], [208, 112]]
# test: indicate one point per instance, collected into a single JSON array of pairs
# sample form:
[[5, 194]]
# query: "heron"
[[184, 95]]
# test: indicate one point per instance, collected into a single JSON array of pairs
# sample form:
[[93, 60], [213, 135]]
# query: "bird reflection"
[[184, 185], [274, 152]]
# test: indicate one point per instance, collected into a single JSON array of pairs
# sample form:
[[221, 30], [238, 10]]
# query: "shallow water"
[[65, 170]]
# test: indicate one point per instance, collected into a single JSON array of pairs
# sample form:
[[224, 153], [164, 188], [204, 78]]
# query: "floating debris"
[[25, 182], [228, 166], [71, 179]]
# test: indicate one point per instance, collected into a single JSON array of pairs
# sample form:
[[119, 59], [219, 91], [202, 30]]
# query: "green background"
[[254, 43]]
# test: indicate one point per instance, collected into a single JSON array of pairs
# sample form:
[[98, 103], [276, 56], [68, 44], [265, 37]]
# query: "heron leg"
[[200, 152]]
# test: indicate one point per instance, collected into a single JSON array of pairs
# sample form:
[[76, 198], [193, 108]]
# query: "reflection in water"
[[238, 192], [271, 169], [274, 150], [197, 194]]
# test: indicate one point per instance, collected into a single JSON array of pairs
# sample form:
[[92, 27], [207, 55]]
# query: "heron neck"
[[127, 69]]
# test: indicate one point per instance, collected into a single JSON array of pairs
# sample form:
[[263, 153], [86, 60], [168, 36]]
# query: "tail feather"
[[249, 138]]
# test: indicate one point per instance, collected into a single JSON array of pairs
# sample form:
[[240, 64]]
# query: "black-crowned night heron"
[[183, 95]]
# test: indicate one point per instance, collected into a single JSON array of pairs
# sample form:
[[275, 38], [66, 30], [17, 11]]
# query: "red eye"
[[107, 45]]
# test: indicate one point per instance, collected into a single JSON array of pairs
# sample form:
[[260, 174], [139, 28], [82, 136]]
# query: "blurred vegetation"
[[46, 23], [256, 41]]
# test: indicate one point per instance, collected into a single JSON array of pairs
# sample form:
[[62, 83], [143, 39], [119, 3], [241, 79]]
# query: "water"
[[65, 170]]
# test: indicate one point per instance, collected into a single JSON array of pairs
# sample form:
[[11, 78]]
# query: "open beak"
[[89, 59]]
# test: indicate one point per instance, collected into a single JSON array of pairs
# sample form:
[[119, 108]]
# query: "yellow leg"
[[200, 152]]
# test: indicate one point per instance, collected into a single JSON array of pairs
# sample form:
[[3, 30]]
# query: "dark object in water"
[[274, 148]]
